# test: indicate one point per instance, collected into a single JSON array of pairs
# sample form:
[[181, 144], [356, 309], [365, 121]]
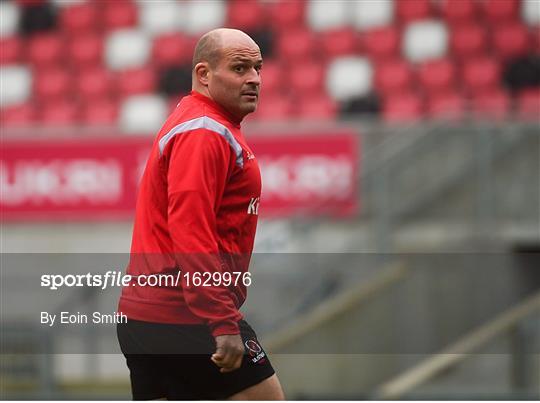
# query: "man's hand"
[[229, 352]]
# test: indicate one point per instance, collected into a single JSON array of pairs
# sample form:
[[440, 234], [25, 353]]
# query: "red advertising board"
[[94, 178]]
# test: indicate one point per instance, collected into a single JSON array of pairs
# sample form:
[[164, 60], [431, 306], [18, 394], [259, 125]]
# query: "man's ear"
[[202, 72]]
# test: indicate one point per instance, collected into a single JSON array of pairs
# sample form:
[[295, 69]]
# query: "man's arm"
[[198, 168]]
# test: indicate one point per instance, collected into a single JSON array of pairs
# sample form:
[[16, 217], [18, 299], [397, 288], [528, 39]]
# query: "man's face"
[[235, 81]]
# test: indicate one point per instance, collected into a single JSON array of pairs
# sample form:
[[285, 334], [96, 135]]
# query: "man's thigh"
[[269, 389]]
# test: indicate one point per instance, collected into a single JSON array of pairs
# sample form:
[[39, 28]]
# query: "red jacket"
[[197, 211]]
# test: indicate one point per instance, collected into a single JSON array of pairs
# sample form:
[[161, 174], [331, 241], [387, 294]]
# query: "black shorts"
[[173, 362]]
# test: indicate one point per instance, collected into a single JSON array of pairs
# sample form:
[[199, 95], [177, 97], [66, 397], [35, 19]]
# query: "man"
[[196, 216]]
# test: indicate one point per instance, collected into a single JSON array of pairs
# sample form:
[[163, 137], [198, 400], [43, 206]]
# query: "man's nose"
[[254, 77]]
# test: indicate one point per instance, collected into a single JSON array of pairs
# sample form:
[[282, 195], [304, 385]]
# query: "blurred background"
[[397, 249]]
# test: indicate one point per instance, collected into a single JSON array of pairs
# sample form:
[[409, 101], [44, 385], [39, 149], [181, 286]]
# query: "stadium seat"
[[37, 18], [412, 10], [394, 76], [103, 111], [119, 14], [480, 74], [163, 17], [79, 19], [272, 75], [349, 77], [448, 105], [125, 49], [136, 81], [85, 50], [52, 84], [45, 50], [202, 16], [535, 40], [425, 40], [338, 42], [95, 83], [171, 49], [16, 85], [530, 12], [11, 50], [175, 80], [307, 79], [284, 14], [491, 105], [319, 107], [528, 105], [322, 15], [404, 107], [511, 40], [10, 15], [437, 76], [62, 112], [468, 40], [382, 43], [277, 107], [497, 11], [296, 44], [372, 14], [19, 115], [142, 114], [459, 12], [245, 14]]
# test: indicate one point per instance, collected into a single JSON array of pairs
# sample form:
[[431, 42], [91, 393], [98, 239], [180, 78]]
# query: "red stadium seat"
[[462, 11], [119, 14], [437, 76], [405, 107], [63, 112], [245, 14], [11, 49], [46, 50], [296, 44], [172, 49], [339, 42], [528, 105], [411, 10], [468, 40], [535, 36], [85, 50], [382, 43], [52, 84], [394, 76], [136, 81], [319, 107], [274, 108], [79, 19], [497, 11], [307, 80], [272, 77], [446, 105], [491, 105], [480, 74], [19, 115], [511, 40], [102, 111], [284, 14], [95, 83]]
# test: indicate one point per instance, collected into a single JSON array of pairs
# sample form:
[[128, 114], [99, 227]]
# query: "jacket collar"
[[217, 107]]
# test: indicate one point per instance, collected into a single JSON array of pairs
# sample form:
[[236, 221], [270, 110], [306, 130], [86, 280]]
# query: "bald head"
[[211, 45]]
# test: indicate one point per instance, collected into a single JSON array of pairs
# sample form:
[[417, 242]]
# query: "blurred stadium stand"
[[416, 57], [446, 97]]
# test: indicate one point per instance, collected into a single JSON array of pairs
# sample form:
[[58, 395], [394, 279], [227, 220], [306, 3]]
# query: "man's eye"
[[238, 69]]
